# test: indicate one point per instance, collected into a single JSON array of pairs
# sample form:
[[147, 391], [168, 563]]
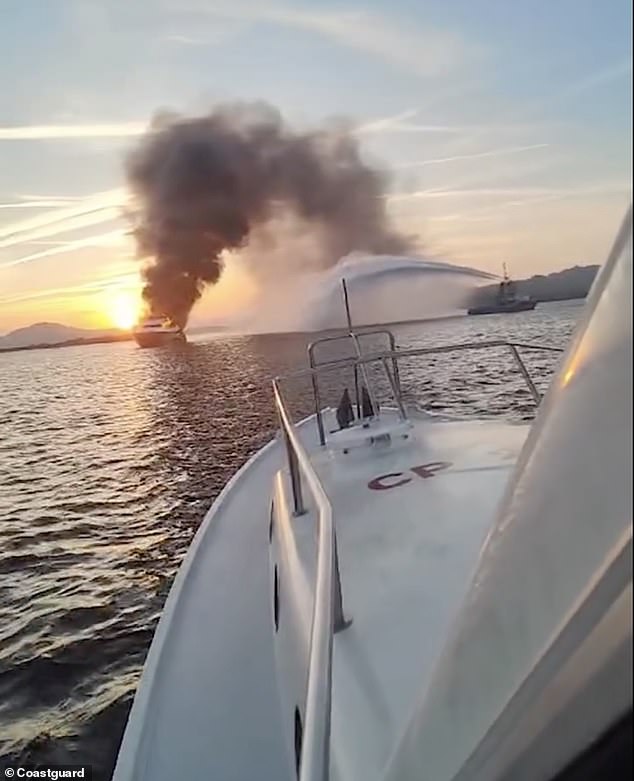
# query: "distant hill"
[[559, 286], [52, 333]]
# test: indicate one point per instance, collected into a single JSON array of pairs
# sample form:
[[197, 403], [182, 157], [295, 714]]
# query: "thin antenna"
[[346, 303]]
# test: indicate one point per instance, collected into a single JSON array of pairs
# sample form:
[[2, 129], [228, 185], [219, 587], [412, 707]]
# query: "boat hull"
[[495, 309], [148, 339]]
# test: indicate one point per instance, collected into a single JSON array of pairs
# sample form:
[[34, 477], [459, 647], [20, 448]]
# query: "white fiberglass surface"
[[209, 699], [410, 520], [566, 515], [207, 705]]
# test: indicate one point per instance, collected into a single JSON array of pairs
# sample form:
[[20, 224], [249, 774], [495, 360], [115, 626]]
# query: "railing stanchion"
[[397, 396], [295, 475], [357, 396], [364, 374], [395, 369], [339, 619], [316, 396], [531, 385]]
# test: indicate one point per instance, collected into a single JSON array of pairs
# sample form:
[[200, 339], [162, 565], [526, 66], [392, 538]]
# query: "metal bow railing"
[[327, 610]]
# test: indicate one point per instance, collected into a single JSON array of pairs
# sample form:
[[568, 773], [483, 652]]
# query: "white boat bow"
[[321, 626]]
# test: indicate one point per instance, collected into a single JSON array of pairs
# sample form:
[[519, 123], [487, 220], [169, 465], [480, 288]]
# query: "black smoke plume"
[[202, 186]]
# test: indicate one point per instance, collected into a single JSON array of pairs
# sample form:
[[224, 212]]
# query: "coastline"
[[127, 336]]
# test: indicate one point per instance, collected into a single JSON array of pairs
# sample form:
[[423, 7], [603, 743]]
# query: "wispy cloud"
[[98, 285], [220, 32], [399, 123], [421, 51], [89, 219], [386, 123], [103, 239], [512, 192], [490, 215], [184, 40], [60, 132], [37, 243], [64, 198], [492, 211], [475, 156], [57, 221], [604, 76], [588, 83], [33, 204]]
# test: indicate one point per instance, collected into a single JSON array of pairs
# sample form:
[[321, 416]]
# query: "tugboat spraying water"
[[507, 300]]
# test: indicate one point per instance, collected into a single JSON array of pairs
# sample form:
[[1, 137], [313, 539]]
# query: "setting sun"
[[124, 310]]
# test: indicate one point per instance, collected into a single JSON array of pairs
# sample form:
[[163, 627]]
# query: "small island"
[[559, 286], [41, 336]]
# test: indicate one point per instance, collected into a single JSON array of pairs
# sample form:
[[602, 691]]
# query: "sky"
[[505, 127]]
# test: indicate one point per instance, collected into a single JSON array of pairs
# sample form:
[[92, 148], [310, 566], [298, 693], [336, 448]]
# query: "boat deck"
[[410, 519], [216, 698]]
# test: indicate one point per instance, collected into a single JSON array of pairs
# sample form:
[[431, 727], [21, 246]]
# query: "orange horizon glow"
[[101, 289]]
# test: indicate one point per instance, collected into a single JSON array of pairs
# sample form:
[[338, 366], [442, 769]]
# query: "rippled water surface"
[[109, 458]]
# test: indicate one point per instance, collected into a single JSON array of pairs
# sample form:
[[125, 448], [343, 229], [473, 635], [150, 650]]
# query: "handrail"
[[395, 355], [395, 390], [315, 750], [366, 379], [354, 335]]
